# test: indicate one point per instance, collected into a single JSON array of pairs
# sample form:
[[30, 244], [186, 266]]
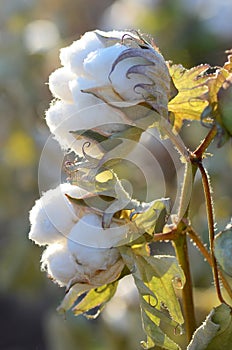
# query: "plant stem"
[[180, 243], [210, 216], [205, 143], [196, 239], [181, 248]]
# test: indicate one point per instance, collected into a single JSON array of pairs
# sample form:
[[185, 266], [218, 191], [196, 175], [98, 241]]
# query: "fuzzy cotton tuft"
[[53, 216]]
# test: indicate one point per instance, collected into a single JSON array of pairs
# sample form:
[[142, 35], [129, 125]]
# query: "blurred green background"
[[31, 33]]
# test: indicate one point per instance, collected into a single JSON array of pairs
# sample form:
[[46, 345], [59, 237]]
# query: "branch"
[[196, 239], [210, 216], [205, 143]]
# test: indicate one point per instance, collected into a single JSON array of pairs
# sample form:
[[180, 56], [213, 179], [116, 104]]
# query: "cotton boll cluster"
[[77, 245], [93, 92], [107, 83]]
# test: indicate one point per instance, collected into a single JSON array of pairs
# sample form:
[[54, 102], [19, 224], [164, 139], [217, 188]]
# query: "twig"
[[196, 239], [210, 216], [205, 143]]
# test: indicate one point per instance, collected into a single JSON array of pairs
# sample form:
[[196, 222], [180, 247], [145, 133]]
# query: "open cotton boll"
[[73, 56], [81, 99], [56, 117], [126, 85], [93, 259], [42, 230], [89, 232], [98, 64], [59, 264], [59, 84], [93, 112], [52, 216], [90, 252], [62, 118]]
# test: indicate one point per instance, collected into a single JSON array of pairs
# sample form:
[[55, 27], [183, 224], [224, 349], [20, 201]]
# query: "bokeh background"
[[31, 32]]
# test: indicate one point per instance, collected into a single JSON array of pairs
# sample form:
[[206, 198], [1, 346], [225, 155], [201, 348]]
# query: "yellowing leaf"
[[95, 298], [215, 83], [191, 99]]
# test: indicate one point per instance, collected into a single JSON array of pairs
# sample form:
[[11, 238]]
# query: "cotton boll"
[[59, 84], [42, 230], [89, 232], [81, 99], [74, 55], [52, 216], [62, 118], [86, 243], [93, 259], [59, 264], [88, 254], [98, 64], [94, 113], [126, 85]]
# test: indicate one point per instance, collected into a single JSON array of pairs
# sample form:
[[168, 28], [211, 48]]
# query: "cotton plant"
[[114, 87]]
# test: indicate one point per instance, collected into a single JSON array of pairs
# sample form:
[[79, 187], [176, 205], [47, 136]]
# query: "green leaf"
[[216, 331], [155, 336], [191, 99], [154, 276], [158, 273], [95, 298], [71, 297], [223, 249], [146, 216]]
